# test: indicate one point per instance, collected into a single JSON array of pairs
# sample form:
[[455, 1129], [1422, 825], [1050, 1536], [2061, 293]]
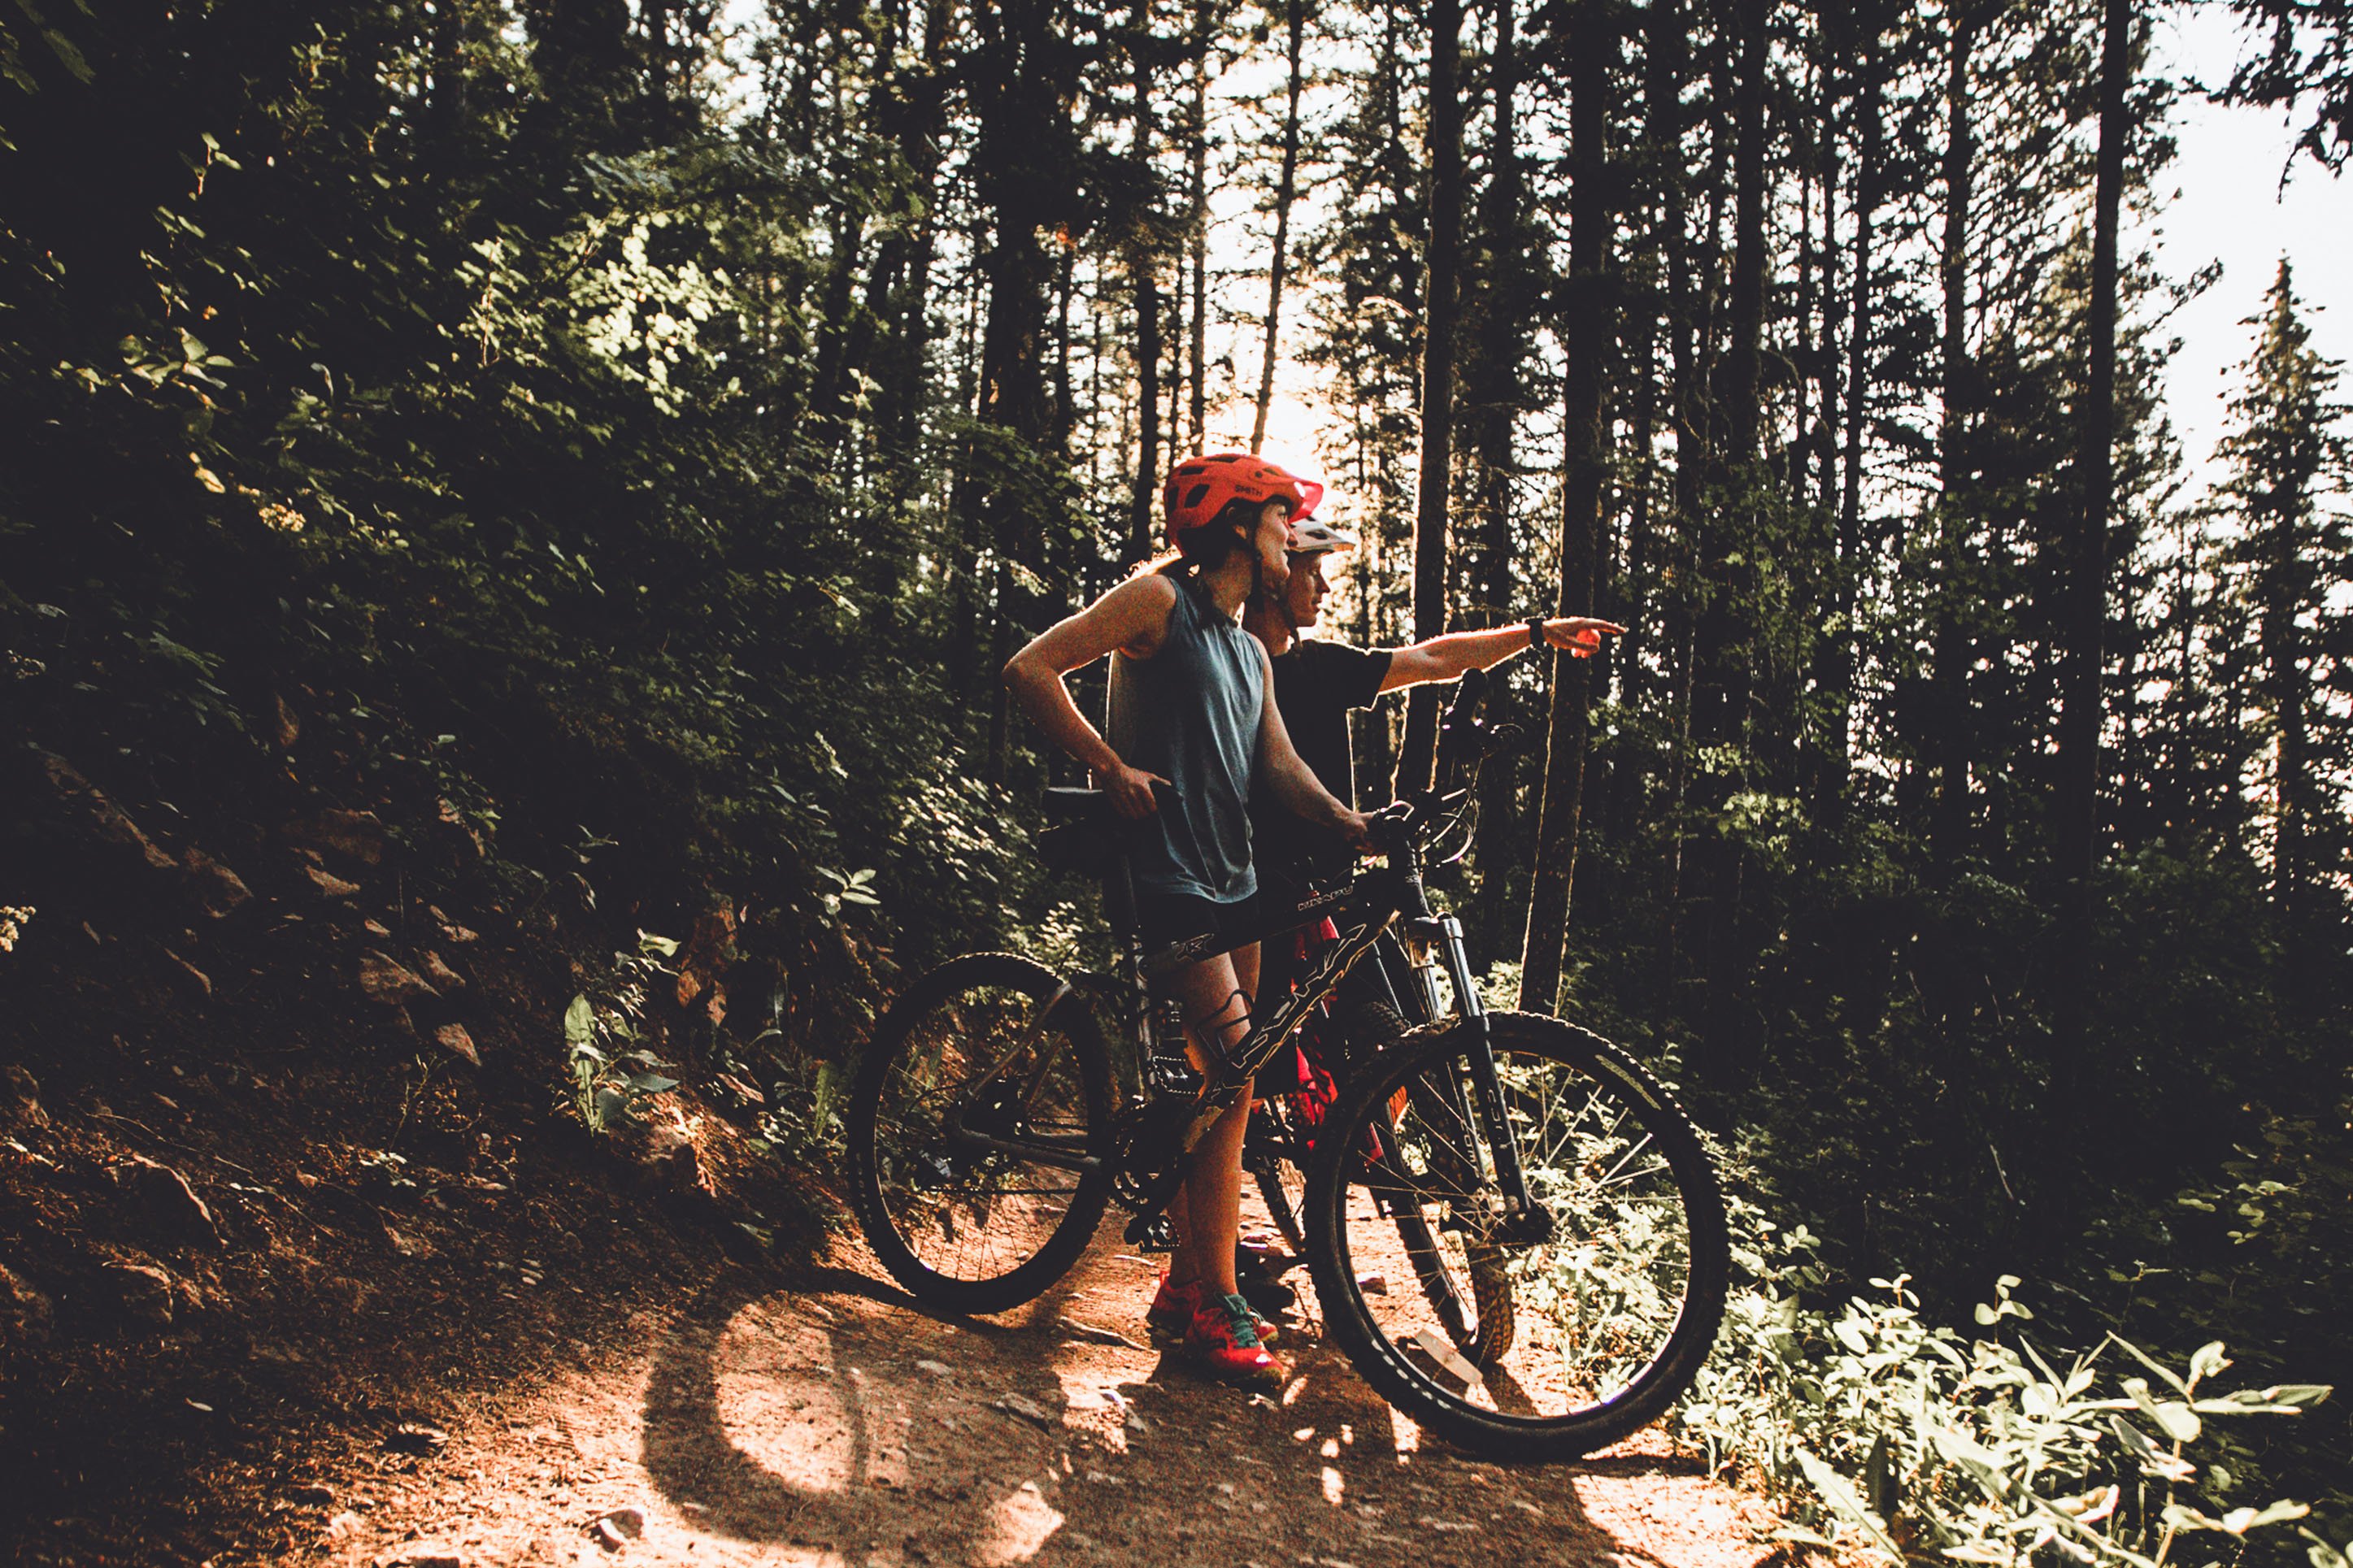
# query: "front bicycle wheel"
[[1612, 1293], [980, 1131]]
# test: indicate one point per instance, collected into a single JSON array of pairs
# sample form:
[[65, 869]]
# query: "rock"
[[441, 975], [453, 1038], [164, 1201], [218, 891], [421, 1555], [327, 882], [1027, 1409], [142, 1292], [354, 836], [451, 818], [671, 1160], [342, 1527], [629, 1519], [415, 1438], [388, 983], [740, 1089], [936, 1368], [704, 956], [314, 1494], [25, 1314], [1096, 1336], [607, 1536], [20, 1098], [103, 820], [196, 977]]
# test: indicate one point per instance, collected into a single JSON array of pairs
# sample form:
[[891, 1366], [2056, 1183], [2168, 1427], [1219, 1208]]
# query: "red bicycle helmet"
[[1199, 488]]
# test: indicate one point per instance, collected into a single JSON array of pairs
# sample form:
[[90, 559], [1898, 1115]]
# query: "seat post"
[[1119, 898]]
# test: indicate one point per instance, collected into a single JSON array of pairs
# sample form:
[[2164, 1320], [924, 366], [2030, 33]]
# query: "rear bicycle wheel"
[[980, 1130], [1276, 1166], [1612, 1304]]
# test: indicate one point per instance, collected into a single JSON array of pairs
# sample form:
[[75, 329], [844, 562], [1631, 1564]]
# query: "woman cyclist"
[[1192, 709]]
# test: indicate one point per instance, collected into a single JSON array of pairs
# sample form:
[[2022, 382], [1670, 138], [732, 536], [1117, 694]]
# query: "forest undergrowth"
[[547, 477]]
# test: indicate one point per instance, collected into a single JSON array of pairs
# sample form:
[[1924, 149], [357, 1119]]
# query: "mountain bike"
[[992, 1124]]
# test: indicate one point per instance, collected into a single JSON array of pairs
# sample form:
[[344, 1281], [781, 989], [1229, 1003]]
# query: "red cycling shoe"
[[1223, 1342], [1170, 1316]]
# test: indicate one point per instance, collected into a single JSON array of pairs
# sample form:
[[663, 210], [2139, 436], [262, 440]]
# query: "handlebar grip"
[[1458, 732], [1469, 692]]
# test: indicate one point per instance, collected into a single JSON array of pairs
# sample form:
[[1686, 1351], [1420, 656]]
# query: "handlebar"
[[1458, 732], [1460, 738]]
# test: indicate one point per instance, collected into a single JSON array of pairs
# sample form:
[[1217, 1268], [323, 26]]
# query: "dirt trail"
[[837, 1423]]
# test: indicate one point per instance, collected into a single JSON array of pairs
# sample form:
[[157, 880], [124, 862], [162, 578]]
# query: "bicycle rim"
[[1599, 1325], [980, 1088]]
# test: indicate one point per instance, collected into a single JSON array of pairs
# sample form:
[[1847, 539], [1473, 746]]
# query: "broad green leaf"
[[1834, 1490], [2133, 1351], [2299, 1395], [579, 1022]]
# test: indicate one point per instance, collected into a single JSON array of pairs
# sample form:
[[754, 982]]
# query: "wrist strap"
[[1535, 631]]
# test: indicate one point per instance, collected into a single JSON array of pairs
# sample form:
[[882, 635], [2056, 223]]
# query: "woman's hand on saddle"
[[1130, 791]]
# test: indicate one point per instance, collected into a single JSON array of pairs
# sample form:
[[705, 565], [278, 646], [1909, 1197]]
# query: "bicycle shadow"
[[834, 1411], [761, 1420]]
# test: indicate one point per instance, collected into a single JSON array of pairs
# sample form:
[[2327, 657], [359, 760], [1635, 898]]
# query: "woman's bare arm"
[[1132, 618]]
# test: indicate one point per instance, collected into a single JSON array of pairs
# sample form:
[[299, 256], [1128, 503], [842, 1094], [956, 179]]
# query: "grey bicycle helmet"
[[1309, 537]]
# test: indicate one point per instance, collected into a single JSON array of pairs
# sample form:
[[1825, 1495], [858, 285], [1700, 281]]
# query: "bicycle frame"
[[1180, 1110]]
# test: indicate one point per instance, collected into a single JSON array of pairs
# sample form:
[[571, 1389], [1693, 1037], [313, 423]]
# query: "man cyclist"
[[1192, 709], [1318, 683]]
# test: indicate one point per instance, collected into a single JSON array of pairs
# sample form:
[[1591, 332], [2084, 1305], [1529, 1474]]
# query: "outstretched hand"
[[1579, 637]]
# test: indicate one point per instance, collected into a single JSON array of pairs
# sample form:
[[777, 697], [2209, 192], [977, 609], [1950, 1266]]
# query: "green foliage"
[[609, 1072], [1900, 1437]]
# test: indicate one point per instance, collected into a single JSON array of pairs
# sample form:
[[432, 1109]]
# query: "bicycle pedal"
[[1152, 1232]]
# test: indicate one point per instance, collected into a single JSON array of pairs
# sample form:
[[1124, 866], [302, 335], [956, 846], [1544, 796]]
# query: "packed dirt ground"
[[305, 1258], [831, 1422]]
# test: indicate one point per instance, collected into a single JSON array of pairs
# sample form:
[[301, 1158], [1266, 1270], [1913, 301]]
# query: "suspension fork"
[[1445, 933]]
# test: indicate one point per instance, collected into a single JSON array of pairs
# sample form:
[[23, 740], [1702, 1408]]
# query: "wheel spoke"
[[1578, 1327], [970, 1129]]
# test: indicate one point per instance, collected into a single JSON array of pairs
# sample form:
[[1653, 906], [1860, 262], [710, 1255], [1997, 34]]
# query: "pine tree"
[[2291, 566]]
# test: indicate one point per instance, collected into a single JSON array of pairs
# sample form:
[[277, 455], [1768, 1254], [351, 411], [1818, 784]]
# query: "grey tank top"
[[1190, 714]]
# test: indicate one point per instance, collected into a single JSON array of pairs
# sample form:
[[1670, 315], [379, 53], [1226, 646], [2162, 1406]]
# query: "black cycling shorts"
[[1164, 919]]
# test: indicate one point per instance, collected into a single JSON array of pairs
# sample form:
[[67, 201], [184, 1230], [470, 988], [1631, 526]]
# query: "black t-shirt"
[[1315, 684]]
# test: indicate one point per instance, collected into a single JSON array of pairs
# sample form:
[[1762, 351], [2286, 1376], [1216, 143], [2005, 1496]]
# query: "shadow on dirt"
[[840, 1413]]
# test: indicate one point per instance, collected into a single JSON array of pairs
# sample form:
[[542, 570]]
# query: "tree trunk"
[[1949, 715], [1493, 384], [1284, 191], [1143, 272], [1441, 265], [1593, 47], [1845, 641], [1199, 130], [1742, 364], [2081, 698]]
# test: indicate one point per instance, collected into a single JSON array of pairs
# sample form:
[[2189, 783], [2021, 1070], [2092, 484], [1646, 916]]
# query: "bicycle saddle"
[[1069, 804]]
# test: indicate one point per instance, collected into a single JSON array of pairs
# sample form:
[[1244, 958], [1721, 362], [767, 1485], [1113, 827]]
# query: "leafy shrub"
[[1902, 1439], [608, 1071]]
